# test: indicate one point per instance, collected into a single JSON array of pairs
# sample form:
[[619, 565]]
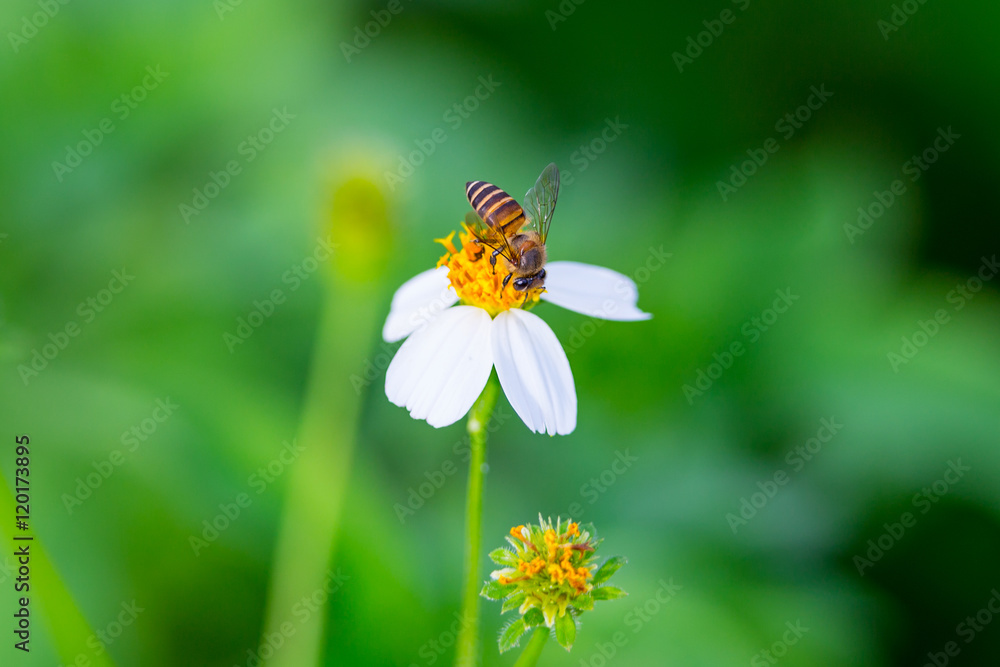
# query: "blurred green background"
[[210, 152]]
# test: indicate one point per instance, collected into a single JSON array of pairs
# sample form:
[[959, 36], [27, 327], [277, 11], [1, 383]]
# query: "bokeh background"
[[338, 526]]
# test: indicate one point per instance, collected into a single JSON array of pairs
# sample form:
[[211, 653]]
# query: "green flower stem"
[[468, 638], [534, 648], [305, 553]]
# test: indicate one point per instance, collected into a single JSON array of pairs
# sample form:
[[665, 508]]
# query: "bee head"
[[522, 283]]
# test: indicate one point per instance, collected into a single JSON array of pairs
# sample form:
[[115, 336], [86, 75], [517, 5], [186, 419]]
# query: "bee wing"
[[488, 236], [540, 201], [474, 222]]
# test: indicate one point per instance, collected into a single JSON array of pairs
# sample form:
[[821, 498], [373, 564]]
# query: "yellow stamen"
[[558, 563], [476, 282], [552, 542], [448, 243], [531, 568]]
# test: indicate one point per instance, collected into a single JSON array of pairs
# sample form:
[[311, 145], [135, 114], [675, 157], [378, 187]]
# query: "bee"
[[515, 234]]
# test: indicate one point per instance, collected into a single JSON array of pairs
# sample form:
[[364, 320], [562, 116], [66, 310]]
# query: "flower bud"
[[550, 576]]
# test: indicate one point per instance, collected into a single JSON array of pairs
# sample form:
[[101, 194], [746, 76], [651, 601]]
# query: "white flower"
[[444, 364]]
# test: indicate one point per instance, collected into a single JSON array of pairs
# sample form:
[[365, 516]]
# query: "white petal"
[[592, 290], [439, 372], [417, 301], [534, 372]]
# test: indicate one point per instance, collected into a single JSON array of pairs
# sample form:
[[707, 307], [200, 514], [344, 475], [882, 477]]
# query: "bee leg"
[[525, 302], [506, 280], [493, 260]]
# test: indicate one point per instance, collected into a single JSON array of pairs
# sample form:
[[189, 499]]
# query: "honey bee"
[[515, 234]]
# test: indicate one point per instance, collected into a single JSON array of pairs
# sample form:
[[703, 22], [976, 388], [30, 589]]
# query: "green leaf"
[[503, 556], [566, 631], [533, 617], [608, 593], [513, 602], [610, 566], [510, 636], [584, 602], [494, 590]]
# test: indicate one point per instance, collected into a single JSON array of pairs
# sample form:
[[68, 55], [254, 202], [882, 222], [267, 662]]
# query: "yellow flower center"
[[478, 283], [559, 562]]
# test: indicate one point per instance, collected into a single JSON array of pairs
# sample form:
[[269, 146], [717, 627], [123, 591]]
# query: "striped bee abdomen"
[[496, 208]]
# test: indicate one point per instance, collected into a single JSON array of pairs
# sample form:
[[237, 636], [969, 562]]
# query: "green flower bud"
[[550, 576]]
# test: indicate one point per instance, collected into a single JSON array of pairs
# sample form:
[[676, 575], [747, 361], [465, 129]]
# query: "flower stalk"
[[479, 418], [534, 648]]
